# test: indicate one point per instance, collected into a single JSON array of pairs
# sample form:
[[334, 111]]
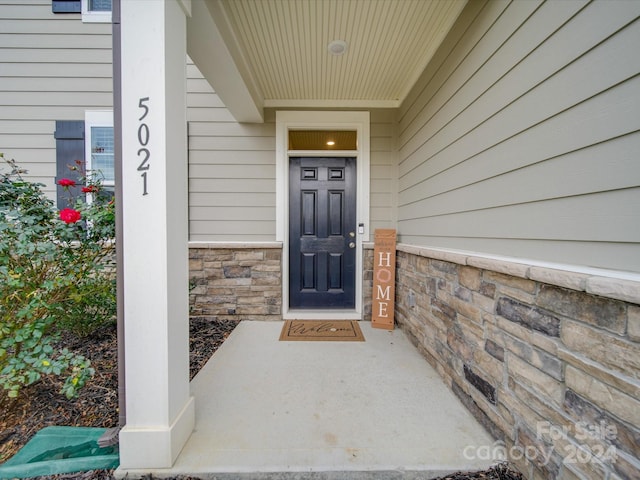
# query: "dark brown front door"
[[322, 229]]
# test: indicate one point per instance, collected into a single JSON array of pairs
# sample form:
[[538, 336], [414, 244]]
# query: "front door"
[[322, 233]]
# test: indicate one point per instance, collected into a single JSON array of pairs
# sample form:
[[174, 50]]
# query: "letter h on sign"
[[384, 279]]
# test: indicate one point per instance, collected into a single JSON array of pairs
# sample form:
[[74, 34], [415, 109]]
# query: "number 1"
[[144, 183]]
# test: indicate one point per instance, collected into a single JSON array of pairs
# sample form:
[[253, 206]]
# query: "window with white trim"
[[96, 11], [99, 147]]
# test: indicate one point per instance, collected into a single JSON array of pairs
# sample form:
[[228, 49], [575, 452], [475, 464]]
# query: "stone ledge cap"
[[446, 255], [620, 289], [607, 283], [501, 266], [238, 245], [561, 278]]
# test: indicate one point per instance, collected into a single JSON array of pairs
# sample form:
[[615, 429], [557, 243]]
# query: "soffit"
[[280, 48]]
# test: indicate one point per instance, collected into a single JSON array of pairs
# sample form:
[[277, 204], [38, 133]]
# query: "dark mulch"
[[41, 405], [499, 472], [205, 336]]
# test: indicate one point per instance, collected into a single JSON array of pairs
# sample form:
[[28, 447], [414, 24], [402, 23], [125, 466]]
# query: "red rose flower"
[[90, 189], [69, 215], [66, 182]]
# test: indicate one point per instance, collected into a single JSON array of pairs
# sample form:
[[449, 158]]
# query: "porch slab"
[[373, 409]]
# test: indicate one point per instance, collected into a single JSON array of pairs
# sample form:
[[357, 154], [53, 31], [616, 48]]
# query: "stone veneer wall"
[[236, 281], [367, 281], [244, 281], [546, 359]]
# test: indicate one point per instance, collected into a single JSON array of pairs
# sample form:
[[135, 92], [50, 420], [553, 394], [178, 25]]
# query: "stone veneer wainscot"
[[529, 349], [235, 281]]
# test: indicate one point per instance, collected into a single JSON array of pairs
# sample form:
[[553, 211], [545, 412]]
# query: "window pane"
[[66, 6], [322, 140], [102, 152], [99, 5]]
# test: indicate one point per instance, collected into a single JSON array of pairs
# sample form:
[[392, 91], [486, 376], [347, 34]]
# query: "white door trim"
[[324, 120]]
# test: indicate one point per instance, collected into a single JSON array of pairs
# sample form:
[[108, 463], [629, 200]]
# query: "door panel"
[[309, 209], [322, 225]]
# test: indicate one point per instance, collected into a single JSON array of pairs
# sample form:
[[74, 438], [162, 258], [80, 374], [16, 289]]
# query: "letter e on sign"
[[384, 278]]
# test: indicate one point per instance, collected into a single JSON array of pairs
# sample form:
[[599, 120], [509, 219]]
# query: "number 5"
[[142, 105]]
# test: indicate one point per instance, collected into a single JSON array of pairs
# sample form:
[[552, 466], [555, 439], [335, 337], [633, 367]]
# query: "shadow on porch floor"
[[373, 409]]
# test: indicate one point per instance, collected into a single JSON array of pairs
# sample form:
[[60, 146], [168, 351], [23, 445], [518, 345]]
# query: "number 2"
[[143, 164]]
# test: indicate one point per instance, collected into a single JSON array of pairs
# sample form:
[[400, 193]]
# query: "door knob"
[[352, 245]]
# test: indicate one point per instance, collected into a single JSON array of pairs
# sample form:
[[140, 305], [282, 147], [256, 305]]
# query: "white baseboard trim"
[[156, 447]]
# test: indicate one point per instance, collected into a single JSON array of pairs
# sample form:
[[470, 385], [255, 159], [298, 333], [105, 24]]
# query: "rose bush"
[[56, 274], [70, 215], [65, 182]]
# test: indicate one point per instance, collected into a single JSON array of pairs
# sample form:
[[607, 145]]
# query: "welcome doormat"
[[321, 331]]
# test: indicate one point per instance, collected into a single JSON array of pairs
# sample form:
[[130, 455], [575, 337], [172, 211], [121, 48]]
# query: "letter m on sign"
[[384, 279]]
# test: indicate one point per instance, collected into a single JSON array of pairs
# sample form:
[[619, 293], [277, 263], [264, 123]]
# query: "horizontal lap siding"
[[55, 67], [522, 136], [52, 67], [231, 170], [383, 176]]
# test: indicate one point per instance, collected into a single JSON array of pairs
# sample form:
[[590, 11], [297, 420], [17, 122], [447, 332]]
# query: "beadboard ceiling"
[[280, 48]]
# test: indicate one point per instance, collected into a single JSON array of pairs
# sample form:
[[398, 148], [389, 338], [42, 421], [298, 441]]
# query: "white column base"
[[148, 447]]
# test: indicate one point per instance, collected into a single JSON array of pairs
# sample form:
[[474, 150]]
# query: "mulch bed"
[[498, 472], [41, 405]]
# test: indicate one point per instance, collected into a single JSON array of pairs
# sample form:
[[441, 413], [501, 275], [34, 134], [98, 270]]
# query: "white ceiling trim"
[[208, 50], [283, 103]]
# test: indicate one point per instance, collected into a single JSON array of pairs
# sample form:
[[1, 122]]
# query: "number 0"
[[143, 134]]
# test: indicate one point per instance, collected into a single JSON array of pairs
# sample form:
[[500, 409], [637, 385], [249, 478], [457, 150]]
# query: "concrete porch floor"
[[373, 409]]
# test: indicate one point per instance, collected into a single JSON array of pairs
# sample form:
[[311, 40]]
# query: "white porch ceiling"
[[278, 50]]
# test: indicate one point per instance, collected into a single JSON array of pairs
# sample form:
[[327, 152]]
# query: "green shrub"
[[56, 273]]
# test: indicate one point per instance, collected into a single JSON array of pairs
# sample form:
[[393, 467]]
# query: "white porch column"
[[160, 411]]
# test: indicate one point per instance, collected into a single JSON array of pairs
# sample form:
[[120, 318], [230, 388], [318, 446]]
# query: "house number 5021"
[[143, 141]]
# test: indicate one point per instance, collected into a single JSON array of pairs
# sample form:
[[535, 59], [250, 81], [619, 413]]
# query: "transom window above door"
[[323, 140]]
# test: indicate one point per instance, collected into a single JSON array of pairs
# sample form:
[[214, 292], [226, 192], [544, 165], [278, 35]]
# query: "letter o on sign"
[[383, 276]]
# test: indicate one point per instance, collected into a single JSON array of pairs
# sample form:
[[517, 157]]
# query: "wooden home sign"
[[384, 278]]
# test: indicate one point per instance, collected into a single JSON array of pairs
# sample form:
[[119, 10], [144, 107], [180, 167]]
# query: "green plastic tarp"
[[56, 450]]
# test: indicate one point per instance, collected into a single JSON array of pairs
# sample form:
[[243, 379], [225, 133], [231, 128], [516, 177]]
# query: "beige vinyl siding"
[[383, 179], [522, 136], [52, 67], [231, 170]]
